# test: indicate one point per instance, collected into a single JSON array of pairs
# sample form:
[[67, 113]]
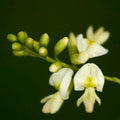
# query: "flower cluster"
[[88, 78]]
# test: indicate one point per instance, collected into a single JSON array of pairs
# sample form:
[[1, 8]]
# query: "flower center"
[[89, 82], [90, 42], [57, 85]]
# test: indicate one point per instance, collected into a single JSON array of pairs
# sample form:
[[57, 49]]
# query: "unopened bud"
[[55, 67], [43, 51], [61, 45], [79, 58], [29, 42], [12, 37], [44, 40], [16, 46], [72, 47], [36, 45], [22, 36], [20, 53]]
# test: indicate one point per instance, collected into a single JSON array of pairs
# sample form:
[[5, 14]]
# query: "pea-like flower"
[[89, 48], [61, 80], [89, 77]]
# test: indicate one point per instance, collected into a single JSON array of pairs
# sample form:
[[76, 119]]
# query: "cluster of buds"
[[65, 77], [22, 45]]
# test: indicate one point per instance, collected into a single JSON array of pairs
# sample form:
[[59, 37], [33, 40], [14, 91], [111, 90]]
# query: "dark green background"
[[24, 81]]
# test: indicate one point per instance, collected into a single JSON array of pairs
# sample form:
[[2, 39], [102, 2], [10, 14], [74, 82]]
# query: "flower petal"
[[58, 76], [80, 77], [81, 43], [90, 33], [96, 50], [97, 33], [89, 70], [103, 37], [98, 76], [46, 107], [56, 103], [45, 99], [65, 83], [89, 101]]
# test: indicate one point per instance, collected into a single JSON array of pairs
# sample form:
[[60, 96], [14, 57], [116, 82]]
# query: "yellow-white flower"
[[89, 47], [89, 77], [61, 80]]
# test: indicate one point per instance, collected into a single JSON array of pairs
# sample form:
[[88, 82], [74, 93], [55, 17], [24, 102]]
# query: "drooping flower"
[[61, 80], [89, 77]]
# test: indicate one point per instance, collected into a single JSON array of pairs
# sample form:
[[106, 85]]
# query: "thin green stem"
[[49, 59], [112, 79], [75, 68], [66, 65]]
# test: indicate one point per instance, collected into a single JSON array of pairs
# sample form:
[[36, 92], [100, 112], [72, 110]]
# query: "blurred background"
[[24, 81]]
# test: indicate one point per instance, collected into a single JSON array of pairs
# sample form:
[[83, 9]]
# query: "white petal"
[[46, 107], [80, 77], [58, 76], [102, 38], [98, 33], [89, 33], [96, 50], [98, 76], [81, 43], [89, 70], [56, 103], [45, 99], [65, 83]]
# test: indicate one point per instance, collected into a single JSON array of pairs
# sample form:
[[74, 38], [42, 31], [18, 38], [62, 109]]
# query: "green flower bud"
[[80, 58], [44, 40], [16, 46], [22, 36], [55, 67], [36, 45], [43, 51], [61, 45], [72, 47], [12, 37], [20, 53], [29, 42]]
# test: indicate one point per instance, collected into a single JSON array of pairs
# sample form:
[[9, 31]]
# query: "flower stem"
[[49, 59], [75, 68], [112, 79]]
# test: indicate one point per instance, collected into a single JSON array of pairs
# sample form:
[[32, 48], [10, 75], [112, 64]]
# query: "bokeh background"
[[24, 81]]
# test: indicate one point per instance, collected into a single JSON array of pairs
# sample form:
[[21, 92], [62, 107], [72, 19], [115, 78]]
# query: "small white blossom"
[[92, 48], [52, 103], [89, 77], [61, 80]]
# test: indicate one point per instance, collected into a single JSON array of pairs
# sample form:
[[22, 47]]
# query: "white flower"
[[52, 103], [61, 80], [100, 36], [89, 77], [93, 49]]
